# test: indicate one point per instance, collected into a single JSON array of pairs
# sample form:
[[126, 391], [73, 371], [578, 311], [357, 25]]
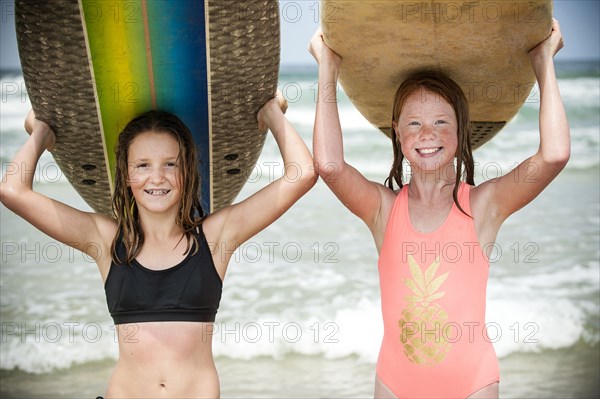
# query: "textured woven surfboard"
[[91, 66]]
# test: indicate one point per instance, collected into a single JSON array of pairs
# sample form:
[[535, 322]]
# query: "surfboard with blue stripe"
[[211, 63]]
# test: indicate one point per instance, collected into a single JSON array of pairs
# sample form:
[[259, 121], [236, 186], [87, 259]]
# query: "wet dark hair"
[[190, 213], [450, 91]]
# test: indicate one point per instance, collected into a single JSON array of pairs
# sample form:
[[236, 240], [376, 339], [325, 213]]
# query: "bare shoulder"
[[98, 245], [107, 230], [388, 197], [213, 224], [107, 227], [486, 216], [482, 200]]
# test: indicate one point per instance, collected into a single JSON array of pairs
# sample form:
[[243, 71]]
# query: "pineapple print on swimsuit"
[[433, 295], [423, 320]]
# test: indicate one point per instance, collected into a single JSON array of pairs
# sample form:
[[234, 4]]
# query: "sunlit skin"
[[427, 131], [154, 175]]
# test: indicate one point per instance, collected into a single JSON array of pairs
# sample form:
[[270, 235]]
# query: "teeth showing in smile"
[[427, 151], [157, 192]]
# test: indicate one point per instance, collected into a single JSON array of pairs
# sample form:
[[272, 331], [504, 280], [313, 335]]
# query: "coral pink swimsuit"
[[433, 291]]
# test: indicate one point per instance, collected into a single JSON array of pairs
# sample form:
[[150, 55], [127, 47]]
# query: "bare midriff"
[[164, 360]]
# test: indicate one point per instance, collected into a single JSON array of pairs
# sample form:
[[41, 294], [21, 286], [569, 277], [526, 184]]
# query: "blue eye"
[[414, 123]]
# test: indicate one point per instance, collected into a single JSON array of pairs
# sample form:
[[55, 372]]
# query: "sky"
[[579, 20]]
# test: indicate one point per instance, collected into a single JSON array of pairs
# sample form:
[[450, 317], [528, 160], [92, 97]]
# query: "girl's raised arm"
[[366, 199], [235, 224], [88, 232], [511, 192]]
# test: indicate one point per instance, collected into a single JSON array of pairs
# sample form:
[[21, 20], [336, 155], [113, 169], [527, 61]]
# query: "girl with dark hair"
[[434, 235], [161, 259]]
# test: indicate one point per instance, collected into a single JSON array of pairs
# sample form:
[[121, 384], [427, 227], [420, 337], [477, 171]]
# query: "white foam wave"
[[357, 331], [354, 330], [505, 155], [526, 325], [351, 119], [43, 347], [580, 92], [530, 313]]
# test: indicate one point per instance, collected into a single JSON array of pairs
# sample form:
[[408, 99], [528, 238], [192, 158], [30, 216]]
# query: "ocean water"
[[300, 313]]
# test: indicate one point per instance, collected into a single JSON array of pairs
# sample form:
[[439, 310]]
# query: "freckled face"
[[153, 172], [427, 131]]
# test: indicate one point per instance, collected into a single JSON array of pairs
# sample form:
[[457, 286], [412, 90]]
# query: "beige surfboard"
[[482, 45]]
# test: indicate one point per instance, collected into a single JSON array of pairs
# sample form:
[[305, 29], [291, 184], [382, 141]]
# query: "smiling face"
[[427, 131], [153, 172]]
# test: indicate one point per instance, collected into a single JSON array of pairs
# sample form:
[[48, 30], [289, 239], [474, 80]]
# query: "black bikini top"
[[189, 291]]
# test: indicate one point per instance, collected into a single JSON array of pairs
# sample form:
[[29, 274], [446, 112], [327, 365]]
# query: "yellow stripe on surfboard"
[[117, 46]]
